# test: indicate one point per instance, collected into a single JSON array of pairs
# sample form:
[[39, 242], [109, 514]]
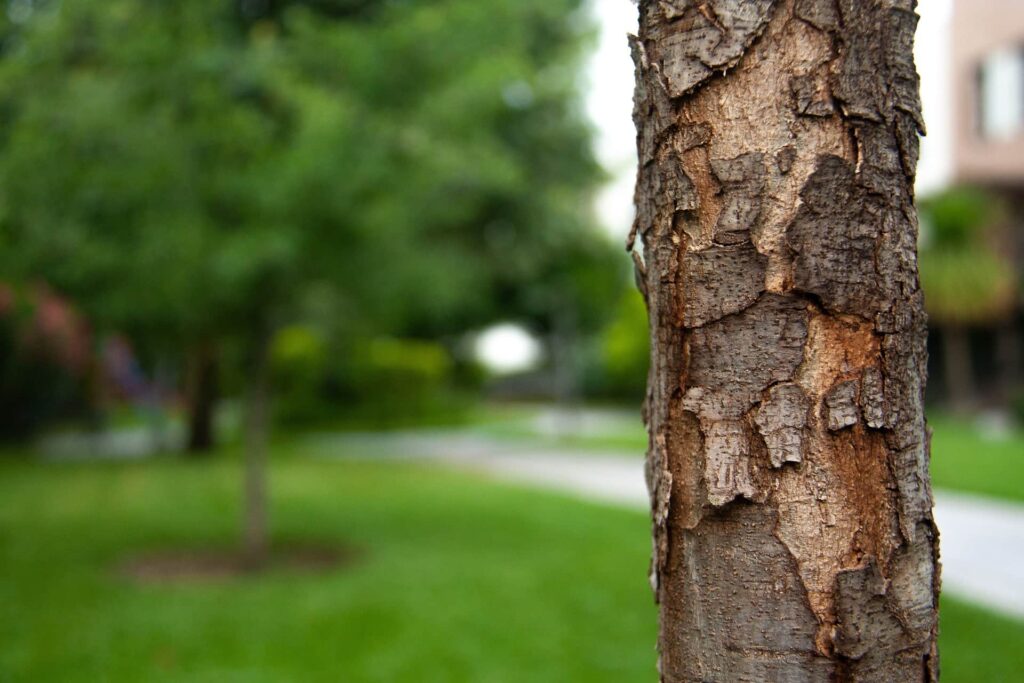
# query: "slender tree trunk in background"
[[563, 338], [156, 408], [957, 365], [256, 429], [788, 456], [1008, 353], [202, 397]]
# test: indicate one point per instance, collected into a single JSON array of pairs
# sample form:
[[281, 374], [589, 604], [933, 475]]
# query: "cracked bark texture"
[[788, 457]]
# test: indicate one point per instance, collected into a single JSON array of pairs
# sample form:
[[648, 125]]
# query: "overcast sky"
[[610, 103]]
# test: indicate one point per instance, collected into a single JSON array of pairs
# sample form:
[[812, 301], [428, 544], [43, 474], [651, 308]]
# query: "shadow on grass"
[[226, 564]]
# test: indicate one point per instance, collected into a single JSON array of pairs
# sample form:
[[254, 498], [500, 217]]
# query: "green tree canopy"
[[198, 168]]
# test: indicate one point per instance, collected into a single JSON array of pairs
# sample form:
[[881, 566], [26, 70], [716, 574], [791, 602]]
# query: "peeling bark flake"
[[781, 420], [872, 398], [841, 405]]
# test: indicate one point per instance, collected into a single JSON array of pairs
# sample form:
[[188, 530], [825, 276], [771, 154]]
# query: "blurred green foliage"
[[626, 345], [619, 360], [956, 216], [299, 365], [402, 366], [972, 285], [206, 169], [402, 379], [966, 277], [379, 381]]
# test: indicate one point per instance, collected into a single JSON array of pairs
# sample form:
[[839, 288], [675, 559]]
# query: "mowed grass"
[[965, 458], [457, 579]]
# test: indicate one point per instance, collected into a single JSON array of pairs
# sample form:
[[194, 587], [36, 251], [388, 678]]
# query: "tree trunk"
[[562, 344], [256, 428], [156, 408], [202, 400], [956, 353], [1009, 358], [788, 454]]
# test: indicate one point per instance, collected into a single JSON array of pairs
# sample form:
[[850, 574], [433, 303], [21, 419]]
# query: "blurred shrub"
[[44, 360], [377, 381], [965, 273], [400, 379], [299, 363], [970, 285], [617, 367], [955, 217]]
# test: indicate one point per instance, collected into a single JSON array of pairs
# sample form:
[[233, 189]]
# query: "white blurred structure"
[[507, 348]]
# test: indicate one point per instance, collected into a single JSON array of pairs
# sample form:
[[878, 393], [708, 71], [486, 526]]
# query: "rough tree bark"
[[788, 453]]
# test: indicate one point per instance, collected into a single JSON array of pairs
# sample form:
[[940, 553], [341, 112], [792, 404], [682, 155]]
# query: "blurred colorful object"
[[45, 359]]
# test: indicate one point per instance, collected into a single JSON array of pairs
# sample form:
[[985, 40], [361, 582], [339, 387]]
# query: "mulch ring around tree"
[[224, 564]]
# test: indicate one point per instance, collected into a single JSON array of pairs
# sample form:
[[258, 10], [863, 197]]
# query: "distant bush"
[[299, 362], [966, 274], [617, 368], [401, 370], [378, 381], [970, 285], [955, 217]]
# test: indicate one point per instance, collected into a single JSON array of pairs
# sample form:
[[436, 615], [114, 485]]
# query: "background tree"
[[199, 175], [788, 456]]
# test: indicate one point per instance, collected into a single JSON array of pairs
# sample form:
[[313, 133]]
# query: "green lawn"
[[457, 580], [964, 458]]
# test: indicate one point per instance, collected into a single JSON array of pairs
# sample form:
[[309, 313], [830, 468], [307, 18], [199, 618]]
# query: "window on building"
[[1001, 94]]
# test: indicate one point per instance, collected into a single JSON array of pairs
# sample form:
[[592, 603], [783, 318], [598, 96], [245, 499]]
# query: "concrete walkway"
[[982, 540]]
